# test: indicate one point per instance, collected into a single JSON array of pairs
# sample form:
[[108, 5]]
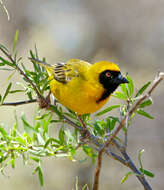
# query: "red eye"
[[107, 74]]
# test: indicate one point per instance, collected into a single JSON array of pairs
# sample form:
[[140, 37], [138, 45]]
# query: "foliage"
[[36, 141]]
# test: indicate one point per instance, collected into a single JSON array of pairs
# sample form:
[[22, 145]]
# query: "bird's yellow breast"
[[79, 95]]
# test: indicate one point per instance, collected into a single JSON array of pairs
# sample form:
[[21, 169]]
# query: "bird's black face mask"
[[110, 81]]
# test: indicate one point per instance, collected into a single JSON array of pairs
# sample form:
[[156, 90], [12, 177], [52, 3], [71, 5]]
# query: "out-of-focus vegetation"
[[130, 33]]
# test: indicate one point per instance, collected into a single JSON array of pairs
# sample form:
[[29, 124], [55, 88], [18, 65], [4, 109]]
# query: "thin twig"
[[18, 103]]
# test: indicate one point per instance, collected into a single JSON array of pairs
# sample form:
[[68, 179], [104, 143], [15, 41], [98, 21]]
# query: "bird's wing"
[[65, 72]]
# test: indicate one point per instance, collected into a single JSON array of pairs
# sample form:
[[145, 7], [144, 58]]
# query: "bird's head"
[[108, 74]]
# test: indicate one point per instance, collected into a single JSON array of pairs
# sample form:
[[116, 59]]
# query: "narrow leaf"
[[119, 95], [50, 140], [143, 113], [3, 132], [107, 110], [124, 89], [4, 61], [145, 103], [142, 89], [35, 159], [27, 127], [7, 91], [146, 172], [15, 91], [15, 40], [126, 177], [130, 85], [40, 174], [61, 135], [54, 108], [139, 157]]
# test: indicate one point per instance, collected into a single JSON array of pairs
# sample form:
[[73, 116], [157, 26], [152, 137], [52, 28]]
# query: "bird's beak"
[[122, 79]]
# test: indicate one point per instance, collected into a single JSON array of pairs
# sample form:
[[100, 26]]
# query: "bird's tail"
[[49, 68]]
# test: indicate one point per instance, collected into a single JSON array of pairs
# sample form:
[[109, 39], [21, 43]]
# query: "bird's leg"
[[86, 133]]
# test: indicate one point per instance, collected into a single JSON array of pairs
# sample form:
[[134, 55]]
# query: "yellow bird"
[[81, 86]]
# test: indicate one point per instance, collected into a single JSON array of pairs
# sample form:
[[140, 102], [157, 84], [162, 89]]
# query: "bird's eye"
[[108, 74]]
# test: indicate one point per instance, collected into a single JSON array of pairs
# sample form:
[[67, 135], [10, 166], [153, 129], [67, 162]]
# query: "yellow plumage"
[[76, 83]]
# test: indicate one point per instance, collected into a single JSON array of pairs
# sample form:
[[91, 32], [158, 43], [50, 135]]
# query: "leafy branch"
[[94, 138]]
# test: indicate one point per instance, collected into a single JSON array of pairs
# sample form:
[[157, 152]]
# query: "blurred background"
[[130, 33]]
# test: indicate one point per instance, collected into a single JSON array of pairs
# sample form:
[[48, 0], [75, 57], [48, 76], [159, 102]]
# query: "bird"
[[81, 86]]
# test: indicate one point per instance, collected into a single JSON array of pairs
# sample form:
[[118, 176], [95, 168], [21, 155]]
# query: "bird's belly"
[[82, 105], [81, 101]]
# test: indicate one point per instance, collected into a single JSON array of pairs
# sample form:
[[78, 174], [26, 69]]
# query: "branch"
[[97, 172], [18, 103], [129, 163], [156, 81], [95, 140], [22, 72]]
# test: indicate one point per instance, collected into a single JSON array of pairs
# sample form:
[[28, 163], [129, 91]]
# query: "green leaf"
[[126, 177], [99, 128], [145, 103], [40, 174], [139, 157], [62, 136], [142, 89], [27, 137], [7, 92], [21, 140], [143, 113], [42, 116], [146, 172], [50, 140], [107, 110], [15, 40], [15, 91], [35, 159], [113, 123], [130, 85], [119, 95], [89, 151], [40, 139], [124, 89], [12, 161], [27, 127], [4, 48], [3, 132], [13, 132], [85, 187], [54, 108], [5, 62]]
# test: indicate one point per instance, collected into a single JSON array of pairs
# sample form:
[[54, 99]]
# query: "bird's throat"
[[107, 92]]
